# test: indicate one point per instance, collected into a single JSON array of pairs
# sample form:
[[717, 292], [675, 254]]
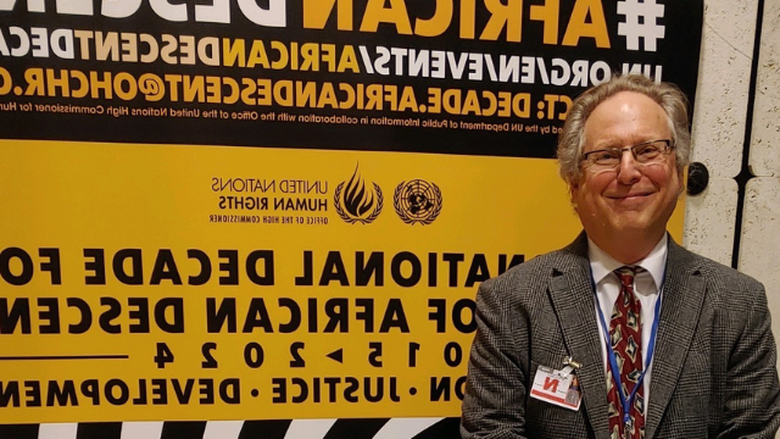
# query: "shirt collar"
[[602, 264]]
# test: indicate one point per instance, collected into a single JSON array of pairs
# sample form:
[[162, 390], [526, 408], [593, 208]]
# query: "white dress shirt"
[[647, 284]]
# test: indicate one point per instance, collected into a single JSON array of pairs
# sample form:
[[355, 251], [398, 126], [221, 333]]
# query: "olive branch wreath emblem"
[[353, 219], [432, 214]]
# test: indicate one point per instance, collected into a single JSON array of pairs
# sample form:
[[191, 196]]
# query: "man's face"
[[630, 199]]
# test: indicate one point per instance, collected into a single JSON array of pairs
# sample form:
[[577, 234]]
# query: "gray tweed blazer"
[[713, 374]]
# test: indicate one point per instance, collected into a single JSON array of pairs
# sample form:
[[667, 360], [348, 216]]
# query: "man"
[[623, 334]]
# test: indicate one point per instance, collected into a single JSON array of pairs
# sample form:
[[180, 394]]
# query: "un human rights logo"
[[356, 201], [417, 201]]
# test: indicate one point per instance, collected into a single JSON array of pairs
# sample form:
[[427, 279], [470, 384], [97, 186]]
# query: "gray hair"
[[667, 95]]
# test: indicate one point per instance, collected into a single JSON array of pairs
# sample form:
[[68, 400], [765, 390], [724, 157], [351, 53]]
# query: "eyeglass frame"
[[669, 147]]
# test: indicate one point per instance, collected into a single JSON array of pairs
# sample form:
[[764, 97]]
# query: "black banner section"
[[21, 431], [264, 429], [99, 430], [273, 429], [461, 77]]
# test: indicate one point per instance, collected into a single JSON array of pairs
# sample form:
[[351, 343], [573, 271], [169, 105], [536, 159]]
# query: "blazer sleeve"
[[752, 393], [494, 401]]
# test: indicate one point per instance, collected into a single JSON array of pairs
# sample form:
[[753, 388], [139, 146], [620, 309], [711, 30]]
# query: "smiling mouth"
[[630, 196]]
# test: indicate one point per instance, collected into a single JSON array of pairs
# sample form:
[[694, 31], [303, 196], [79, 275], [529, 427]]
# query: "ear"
[[682, 176], [573, 190]]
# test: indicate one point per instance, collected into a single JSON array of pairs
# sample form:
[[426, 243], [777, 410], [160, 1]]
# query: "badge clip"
[[571, 365], [569, 361]]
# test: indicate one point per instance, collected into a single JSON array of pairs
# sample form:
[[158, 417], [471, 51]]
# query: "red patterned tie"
[[625, 329]]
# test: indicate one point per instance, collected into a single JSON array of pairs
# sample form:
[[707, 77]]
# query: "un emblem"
[[417, 201]]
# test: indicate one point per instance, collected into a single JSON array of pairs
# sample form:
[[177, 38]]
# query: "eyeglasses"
[[645, 153]]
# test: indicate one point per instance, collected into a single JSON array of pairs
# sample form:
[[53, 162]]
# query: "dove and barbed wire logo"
[[357, 201], [417, 201]]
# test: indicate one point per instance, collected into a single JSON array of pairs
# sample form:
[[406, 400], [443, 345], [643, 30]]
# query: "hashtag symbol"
[[640, 22]]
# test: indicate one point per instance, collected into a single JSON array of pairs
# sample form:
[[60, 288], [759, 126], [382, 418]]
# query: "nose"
[[628, 169]]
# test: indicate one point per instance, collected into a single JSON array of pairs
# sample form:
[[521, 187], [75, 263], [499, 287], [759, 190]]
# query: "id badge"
[[558, 387]]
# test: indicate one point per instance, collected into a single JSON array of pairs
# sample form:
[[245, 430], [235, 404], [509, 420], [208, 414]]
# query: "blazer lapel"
[[572, 296], [682, 301]]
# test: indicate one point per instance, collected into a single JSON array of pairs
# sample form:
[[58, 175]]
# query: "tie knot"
[[626, 275]]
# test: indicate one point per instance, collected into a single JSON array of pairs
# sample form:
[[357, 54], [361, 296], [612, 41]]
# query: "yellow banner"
[[147, 282]]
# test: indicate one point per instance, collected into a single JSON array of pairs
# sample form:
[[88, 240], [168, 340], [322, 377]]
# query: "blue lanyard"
[[626, 403]]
